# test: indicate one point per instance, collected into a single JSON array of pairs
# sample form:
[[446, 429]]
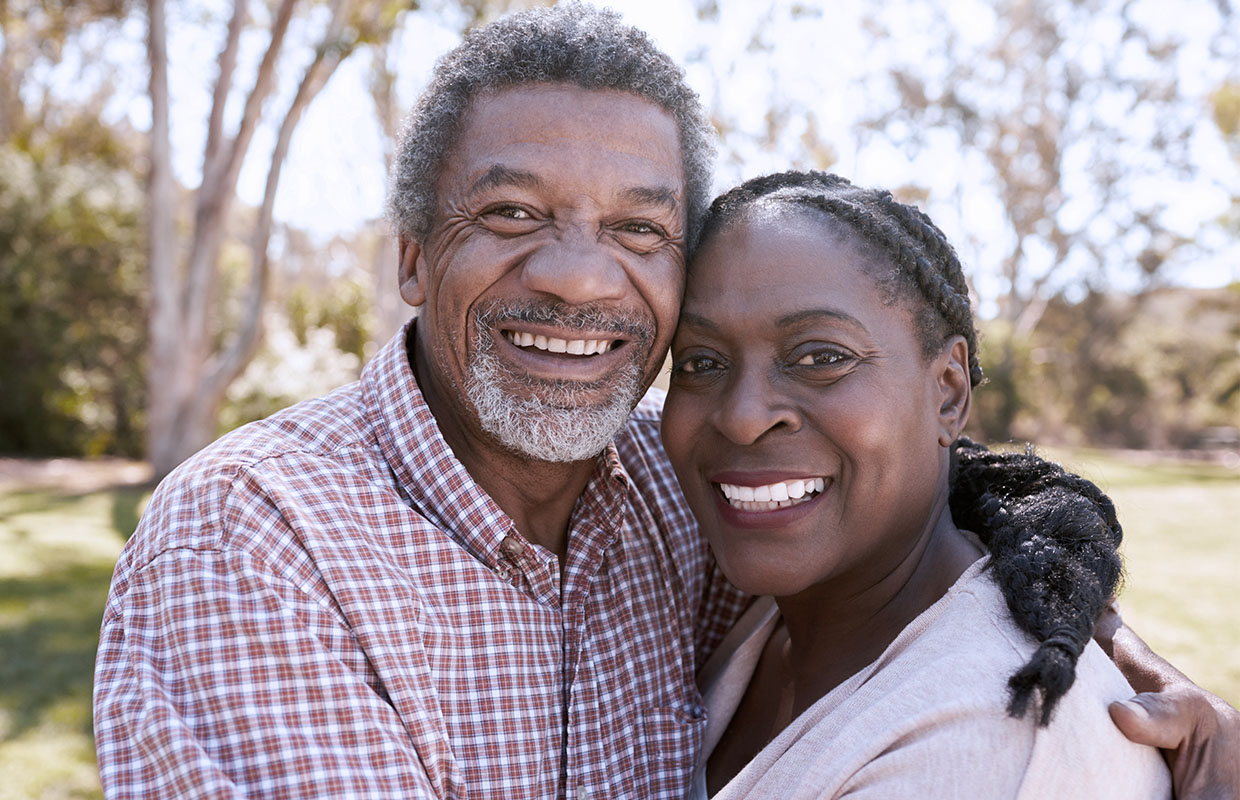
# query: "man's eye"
[[640, 226], [512, 212]]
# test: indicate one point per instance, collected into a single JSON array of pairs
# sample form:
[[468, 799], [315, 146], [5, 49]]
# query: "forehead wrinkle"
[[501, 175]]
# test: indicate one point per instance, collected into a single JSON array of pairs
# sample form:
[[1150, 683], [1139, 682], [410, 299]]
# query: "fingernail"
[[1136, 708]]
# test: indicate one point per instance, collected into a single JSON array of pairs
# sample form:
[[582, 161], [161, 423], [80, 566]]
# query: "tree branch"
[[215, 197], [328, 56], [219, 97]]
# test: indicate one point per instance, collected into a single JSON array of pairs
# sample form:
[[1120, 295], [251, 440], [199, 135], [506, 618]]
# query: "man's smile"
[[553, 344]]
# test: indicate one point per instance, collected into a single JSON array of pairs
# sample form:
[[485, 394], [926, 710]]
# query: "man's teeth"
[[578, 347], [772, 495]]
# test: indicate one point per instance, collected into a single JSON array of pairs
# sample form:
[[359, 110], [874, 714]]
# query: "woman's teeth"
[[579, 347], [773, 495]]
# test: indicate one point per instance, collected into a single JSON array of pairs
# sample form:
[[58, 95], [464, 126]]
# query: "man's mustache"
[[590, 318]]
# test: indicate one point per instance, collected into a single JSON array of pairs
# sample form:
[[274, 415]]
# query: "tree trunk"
[[189, 376]]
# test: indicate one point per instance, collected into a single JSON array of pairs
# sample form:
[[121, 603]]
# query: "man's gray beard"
[[556, 421]]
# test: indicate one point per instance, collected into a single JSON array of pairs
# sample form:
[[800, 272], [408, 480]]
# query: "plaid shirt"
[[325, 604]]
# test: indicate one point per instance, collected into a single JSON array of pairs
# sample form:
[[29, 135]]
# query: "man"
[[470, 573], [448, 580]]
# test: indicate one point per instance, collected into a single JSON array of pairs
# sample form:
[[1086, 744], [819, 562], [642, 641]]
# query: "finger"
[[1152, 719]]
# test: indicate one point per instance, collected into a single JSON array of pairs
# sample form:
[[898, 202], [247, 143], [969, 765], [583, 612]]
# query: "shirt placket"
[[601, 522]]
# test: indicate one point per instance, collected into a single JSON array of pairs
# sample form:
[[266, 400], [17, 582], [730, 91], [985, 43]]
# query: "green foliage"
[[1152, 371], [999, 401], [72, 300], [1226, 101], [318, 343], [346, 309]]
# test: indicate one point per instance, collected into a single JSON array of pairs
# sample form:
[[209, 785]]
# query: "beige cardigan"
[[927, 720]]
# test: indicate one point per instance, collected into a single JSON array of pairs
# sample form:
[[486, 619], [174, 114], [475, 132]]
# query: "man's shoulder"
[[323, 443], [319, 425]]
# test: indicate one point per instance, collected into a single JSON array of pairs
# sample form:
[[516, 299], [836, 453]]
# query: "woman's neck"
[[833, 632]]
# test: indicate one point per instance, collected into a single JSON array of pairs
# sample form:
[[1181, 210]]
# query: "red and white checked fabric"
[[325, 604]]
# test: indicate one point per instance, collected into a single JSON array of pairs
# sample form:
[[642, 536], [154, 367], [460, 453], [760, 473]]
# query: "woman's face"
[[806, 426]]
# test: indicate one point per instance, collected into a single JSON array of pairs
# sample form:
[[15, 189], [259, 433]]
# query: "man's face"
[[551, 280]]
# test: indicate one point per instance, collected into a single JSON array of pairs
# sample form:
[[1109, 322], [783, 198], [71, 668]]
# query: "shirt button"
[[582, 792], [511, 548]]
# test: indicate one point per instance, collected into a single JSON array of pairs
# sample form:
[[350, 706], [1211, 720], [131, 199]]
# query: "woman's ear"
[[955, 389], [412, 272]]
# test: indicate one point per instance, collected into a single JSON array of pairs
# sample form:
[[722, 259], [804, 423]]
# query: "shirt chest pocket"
[[671, 740]]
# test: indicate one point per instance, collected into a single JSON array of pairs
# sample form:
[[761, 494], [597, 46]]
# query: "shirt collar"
[[439, 487]]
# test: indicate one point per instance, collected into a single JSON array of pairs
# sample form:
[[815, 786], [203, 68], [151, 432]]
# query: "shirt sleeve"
[[987, 755], [216, 678]]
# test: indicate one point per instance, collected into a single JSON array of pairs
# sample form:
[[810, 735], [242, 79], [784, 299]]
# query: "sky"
[[811, 57]]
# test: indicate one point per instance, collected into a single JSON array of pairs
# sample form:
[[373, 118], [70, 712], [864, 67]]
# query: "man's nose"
[[752, 407], [576, 267]]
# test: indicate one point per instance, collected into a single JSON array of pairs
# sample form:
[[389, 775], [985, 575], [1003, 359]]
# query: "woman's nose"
[[752, 406]]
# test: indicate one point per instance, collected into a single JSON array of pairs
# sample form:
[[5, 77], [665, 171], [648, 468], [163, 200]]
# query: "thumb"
[[1153, 718]]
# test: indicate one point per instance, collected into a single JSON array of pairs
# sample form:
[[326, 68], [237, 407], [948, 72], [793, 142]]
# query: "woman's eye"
[[696, 365], [823, 358]]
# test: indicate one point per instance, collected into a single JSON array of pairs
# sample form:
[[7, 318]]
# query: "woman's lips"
[[773, 503], [771, 496]]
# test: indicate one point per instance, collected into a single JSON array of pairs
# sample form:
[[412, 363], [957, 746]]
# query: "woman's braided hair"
[[1053, 536]]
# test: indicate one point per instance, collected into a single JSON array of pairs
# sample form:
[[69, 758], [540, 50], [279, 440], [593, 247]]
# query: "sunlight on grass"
[[1182, 554], [56, 557]]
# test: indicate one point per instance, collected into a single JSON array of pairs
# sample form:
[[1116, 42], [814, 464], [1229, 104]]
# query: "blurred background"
[[191, 237]]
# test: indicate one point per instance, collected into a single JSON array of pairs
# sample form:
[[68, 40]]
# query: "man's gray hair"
[[572, 43]]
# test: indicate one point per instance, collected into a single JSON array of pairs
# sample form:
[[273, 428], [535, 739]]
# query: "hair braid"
[[1053, 536]]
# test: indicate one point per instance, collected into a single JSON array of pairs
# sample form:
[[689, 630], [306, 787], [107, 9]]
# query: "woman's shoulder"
[[930, 719], [944, 700]]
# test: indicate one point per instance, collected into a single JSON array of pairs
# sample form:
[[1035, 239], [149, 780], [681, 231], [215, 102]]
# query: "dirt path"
[[71, 475]]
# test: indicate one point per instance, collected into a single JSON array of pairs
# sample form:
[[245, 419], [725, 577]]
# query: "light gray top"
[[928, 718]]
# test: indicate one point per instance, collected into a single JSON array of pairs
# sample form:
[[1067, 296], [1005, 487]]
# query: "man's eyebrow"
[[500, 175], [652, 195]]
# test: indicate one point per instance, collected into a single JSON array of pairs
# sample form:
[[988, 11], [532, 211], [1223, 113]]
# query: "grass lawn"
[[59, 539], [57, 548], [1182, 551]]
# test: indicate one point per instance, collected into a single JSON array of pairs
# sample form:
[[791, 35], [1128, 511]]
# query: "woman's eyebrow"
[[813, 314], [696, 321]]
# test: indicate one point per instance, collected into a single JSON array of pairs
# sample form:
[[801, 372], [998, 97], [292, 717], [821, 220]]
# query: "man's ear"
[[955, 389], [412, 274]]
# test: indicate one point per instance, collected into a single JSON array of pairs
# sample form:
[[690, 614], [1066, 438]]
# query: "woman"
[[822, 375]]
